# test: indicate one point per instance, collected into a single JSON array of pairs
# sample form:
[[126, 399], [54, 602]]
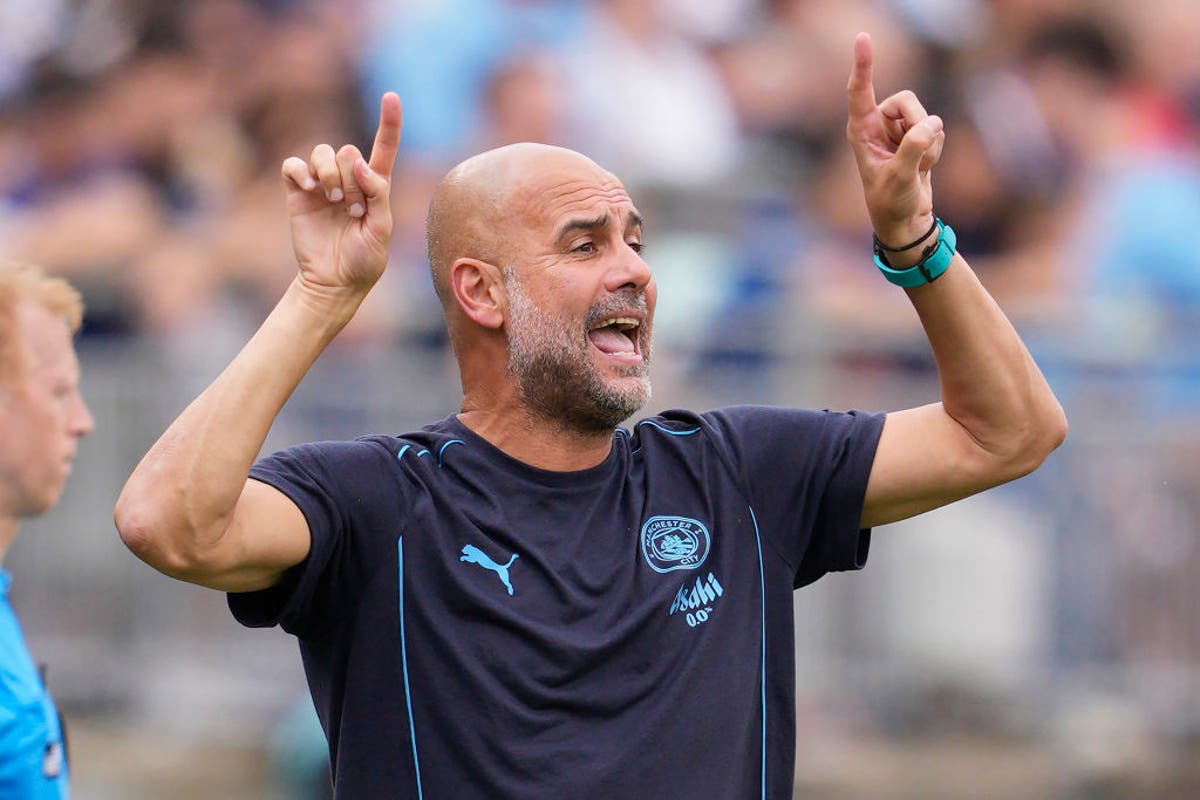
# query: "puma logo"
[[474, 555]]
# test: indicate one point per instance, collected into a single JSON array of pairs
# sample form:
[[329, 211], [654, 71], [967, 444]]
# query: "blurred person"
[[523, 102], [646, 101], [1131, 201], [1131, 290], [29, 29], [299, 754], [1003, 26], [42, 419], [224, 241], [77, 201], [442, 66], [783, 77], [1165, 56], [525, 599], [98, 189]]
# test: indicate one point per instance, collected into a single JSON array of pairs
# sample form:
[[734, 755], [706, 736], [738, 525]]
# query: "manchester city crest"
[[671, 543]]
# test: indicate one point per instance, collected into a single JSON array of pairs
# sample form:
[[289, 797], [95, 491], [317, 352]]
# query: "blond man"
[[42, 419]]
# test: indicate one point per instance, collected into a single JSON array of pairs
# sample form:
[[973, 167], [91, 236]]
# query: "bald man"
[[524, 599], [42, 419]]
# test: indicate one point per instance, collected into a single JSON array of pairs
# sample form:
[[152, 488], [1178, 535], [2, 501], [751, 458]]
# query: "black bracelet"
[[881, 246]]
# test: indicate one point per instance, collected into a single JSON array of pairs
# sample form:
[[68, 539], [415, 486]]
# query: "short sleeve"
[[341, 488], [806, 476]]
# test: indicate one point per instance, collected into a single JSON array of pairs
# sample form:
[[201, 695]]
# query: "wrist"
[[327, 309], [903, 242], [933, 258]]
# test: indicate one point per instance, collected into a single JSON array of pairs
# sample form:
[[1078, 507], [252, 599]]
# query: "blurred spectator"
[[522, 102], [787, 76], [645, 102], [1167, 61], [28, 30], [439, 55], [1135, 191]]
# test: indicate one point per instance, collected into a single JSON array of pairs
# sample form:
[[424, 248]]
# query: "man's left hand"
[[896, 143]]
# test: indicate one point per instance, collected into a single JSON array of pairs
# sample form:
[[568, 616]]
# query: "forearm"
[[998, 419], [179, 501], [990, 384]]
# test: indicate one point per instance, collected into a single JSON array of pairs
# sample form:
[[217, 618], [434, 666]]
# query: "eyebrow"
[[632, 219]]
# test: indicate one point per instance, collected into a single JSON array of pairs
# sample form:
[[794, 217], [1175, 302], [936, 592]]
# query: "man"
[[523, 600], [42, 418]]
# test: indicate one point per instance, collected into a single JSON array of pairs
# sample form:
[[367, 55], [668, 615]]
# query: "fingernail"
[[935, 124], [309, 184], [336, 195], [356, 210]]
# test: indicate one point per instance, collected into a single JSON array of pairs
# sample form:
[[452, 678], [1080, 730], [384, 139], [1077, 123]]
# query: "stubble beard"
[[556, 377]]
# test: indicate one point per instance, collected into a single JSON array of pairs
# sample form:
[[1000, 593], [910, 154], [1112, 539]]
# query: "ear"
[[479, 289]]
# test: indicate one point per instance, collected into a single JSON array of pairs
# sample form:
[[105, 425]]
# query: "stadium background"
[[1041, 641]]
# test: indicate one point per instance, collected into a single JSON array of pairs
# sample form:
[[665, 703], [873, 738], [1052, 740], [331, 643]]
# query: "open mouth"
[[617, 336]]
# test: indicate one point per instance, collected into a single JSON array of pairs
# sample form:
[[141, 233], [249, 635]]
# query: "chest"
[[631, 577]]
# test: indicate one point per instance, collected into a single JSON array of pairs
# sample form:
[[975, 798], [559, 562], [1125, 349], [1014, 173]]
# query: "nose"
[[82, 422], [630, 271]]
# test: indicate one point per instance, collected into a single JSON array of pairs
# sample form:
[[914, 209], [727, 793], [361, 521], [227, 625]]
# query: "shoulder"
[[674, 422], [731, 423], [783, 426], [431, 442], [765, 438], [369, 450]]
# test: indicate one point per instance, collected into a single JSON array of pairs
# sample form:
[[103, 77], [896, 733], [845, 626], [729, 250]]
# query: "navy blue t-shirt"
[[474, 627]]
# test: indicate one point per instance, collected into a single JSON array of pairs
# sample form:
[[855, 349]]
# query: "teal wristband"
[[934, 261]]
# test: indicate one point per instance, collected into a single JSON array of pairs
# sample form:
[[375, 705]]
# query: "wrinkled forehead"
[[567, 187]]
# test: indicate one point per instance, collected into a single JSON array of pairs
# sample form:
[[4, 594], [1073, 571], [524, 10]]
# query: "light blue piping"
[[412, 728], [447, 444], [406, 448], [762, 587], [668, 430]]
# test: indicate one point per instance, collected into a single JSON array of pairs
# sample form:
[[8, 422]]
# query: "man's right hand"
[[189, 509], [339, 208]]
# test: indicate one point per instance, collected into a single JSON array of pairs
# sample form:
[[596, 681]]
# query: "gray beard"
[[557, 380]]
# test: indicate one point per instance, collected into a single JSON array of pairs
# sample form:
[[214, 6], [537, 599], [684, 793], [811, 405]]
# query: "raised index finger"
[[387, 138], [860, 89]]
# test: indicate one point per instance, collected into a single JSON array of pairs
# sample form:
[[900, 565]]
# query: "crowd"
[[140, 142]]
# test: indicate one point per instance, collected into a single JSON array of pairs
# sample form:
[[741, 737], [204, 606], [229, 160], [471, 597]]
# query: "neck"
[[541, 443], [8, 532]]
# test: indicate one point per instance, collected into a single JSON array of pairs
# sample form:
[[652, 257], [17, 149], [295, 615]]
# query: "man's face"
[[42, 415], [580, 300]]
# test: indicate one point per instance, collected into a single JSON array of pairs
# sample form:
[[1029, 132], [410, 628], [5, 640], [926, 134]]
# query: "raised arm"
[[997, 419], [189, 509]]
